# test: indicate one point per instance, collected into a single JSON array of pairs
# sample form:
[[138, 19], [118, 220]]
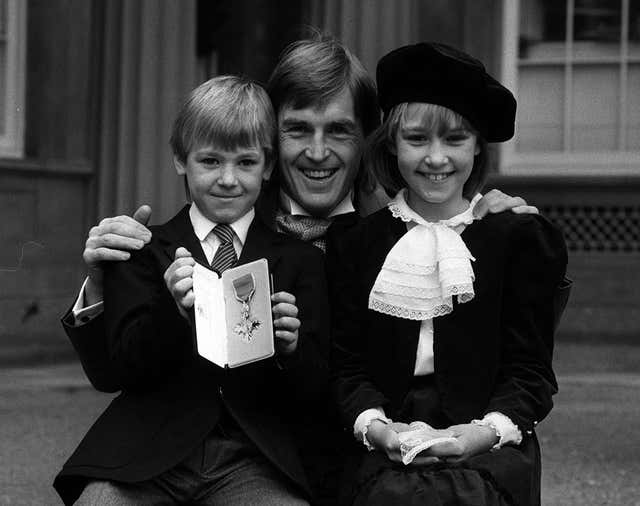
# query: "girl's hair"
[[228, 112], [379, 158]]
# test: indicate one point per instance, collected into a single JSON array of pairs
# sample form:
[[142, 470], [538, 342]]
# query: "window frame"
[[549, 163], [12, 140]]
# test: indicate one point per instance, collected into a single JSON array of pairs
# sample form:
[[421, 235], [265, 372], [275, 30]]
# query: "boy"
[[183, 429]]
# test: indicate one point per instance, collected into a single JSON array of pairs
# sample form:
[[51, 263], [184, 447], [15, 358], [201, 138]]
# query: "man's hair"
[[379, 158], [227, 112], [311, 72]]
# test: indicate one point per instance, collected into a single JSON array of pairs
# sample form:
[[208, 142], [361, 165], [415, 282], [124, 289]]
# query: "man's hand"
[[110, 241], [179, 280], [496, 202], [384, 437], [285, 322]]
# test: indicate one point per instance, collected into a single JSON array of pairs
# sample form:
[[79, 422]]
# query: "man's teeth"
[[438, 177], [317, 174]]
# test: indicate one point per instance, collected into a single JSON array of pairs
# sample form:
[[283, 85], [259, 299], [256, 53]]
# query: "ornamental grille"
[[606, 229]]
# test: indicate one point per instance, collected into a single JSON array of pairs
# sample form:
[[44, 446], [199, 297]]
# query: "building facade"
[[89, 87]]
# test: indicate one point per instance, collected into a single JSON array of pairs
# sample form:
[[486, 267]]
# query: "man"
[[326, 106]]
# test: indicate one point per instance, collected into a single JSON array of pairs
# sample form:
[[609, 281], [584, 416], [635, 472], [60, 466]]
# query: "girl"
[[438, 318]]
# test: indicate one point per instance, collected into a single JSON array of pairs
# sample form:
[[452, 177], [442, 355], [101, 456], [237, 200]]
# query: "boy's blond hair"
[[228, 112]]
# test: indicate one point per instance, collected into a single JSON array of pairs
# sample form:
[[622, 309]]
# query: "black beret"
[[438, 74]]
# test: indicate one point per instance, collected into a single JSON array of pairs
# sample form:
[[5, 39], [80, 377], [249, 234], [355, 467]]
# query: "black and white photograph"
[[428, 213]]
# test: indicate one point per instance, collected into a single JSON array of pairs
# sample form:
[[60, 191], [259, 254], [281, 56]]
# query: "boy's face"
[[319, 153], [224, 184]]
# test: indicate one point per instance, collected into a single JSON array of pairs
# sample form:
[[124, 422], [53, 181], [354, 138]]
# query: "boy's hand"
[[285, 322], [496, 202], [110, 241], [179, 280]]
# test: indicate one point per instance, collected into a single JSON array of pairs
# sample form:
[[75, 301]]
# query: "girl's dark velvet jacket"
[[492, 353]]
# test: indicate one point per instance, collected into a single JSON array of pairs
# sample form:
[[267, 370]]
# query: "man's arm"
[[109, 241], [494, 201]]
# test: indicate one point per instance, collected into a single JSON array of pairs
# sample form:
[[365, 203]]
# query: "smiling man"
[[326, 105], [320, 154]]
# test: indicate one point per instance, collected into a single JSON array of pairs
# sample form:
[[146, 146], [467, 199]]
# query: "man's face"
[[320, 151]]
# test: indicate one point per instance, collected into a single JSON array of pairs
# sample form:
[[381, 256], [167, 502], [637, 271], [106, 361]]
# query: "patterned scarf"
[[306, 228]]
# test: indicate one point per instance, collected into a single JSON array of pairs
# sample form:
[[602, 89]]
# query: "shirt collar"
[[202, 226], [344, 207]]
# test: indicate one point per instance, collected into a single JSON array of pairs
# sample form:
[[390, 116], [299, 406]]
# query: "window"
[[575, 68], [12, 71]]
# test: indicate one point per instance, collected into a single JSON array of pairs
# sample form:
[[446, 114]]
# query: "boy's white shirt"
[[202, 227]]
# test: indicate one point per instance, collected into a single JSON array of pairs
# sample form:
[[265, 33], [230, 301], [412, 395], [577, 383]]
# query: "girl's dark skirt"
[[509, 476]]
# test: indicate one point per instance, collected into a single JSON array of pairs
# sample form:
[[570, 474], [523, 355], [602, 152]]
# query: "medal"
[[244, 287]]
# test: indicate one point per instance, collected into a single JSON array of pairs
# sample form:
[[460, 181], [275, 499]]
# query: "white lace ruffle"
[[401, 210], [426, 268], [462, 291], [396, 212], [408, 313]]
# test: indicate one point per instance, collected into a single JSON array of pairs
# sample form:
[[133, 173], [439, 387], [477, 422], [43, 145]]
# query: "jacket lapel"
[[261, 242], [179, 232], [390, 232]]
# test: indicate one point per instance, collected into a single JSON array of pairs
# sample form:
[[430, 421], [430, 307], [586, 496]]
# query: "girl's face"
[[435, 158]]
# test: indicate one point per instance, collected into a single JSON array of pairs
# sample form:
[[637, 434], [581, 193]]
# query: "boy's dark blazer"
[[88, 338], [172, 398]]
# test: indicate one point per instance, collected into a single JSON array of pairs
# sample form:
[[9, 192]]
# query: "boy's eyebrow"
[[217, 152], [206, 151]]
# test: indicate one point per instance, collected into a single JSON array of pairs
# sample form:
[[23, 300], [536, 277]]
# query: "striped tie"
[[225, 255]]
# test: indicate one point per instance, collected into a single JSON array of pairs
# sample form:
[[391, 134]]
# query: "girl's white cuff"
[[505, 429], [361, 425]]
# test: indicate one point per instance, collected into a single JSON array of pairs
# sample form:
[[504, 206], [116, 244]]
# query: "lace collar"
[[401, 210], [426, 268]]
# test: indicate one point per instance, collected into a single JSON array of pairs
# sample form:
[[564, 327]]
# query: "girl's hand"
[[384, 437], [285, 322], [474, 439]]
